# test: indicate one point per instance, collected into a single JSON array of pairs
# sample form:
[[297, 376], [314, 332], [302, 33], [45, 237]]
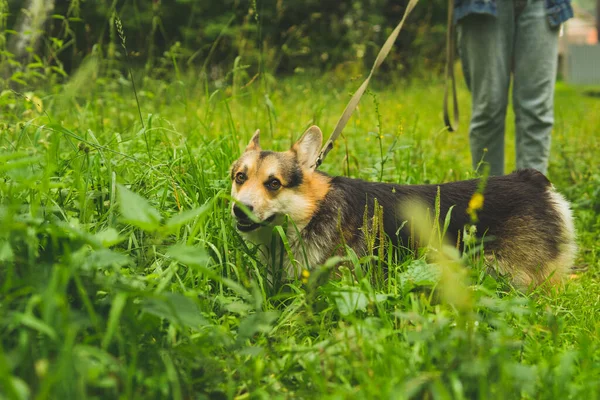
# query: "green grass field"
[[122, 275]]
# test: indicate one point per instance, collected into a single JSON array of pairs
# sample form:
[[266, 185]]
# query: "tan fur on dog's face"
[[275, 184]]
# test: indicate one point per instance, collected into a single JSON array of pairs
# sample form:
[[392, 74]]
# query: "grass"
[[122, 275]]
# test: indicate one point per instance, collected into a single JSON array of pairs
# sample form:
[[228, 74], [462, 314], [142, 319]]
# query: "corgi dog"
[[529, 223]]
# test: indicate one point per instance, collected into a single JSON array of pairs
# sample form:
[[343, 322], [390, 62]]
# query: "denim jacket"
[[558, 11]]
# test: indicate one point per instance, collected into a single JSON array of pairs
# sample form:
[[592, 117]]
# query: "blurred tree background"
[[216, 37]]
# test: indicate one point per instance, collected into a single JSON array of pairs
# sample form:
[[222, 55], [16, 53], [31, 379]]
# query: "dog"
[[528, 224]]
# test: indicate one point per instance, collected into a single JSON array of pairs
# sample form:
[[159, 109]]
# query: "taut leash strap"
[[450, 79], [385, 49]]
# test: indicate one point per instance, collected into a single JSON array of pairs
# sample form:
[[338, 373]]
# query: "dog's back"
[[526, 224]]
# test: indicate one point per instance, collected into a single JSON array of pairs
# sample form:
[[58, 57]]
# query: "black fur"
[[520, 196], [264, 154], [294, 177]]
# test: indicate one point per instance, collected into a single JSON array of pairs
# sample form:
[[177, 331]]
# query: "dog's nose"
[[239, 213]]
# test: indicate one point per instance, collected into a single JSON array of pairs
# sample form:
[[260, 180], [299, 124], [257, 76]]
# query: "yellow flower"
[[476, 203], [305, 276]]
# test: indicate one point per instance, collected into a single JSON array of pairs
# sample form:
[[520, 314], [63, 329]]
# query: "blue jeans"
[[519, 41]]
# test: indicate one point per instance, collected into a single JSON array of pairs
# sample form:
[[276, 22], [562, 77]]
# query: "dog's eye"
[[273, 184], [240, 178]]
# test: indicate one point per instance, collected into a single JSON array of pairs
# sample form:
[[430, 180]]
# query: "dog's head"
[[268, 185]]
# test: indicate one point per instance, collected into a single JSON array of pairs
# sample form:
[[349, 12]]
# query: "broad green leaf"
[[188, 255], [239, 307], [105, 258], [419, 273], [187, 216], [176, 308], [237, 288], [349, 301], [109, 237], [260, 322], [137, 211]]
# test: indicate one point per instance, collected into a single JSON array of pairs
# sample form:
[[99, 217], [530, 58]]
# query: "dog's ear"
[[308, 146], [254, 142]]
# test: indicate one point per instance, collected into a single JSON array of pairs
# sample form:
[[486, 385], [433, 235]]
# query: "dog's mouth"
[[247, 225]]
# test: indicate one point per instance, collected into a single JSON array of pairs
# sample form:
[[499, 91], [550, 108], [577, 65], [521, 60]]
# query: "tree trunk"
[[30, 27]]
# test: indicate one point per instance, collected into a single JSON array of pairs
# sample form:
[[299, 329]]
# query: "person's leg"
[[536, 62], [485, 47]]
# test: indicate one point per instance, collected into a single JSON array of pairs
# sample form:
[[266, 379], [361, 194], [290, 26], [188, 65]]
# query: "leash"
[[450, 79], [383, 53]]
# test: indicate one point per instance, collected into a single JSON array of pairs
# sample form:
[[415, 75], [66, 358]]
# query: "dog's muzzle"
[[244, 223]]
